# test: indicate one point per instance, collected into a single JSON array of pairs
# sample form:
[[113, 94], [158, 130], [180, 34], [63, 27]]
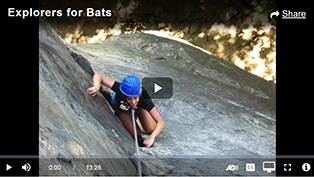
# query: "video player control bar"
[[203, 166]]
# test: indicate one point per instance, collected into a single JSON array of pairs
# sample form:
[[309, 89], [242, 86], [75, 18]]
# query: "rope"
[[138, 160]]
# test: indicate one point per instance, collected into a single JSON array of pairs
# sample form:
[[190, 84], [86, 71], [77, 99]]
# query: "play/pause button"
[[8, 167], [158, 87]]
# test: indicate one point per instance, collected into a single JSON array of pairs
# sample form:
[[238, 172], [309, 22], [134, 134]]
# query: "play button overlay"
[[158, 87]]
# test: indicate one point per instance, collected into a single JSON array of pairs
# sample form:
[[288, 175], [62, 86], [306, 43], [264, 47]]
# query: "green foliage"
[[264, 6]]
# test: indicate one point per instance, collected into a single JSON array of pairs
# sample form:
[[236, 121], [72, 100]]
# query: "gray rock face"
[[73, 125], [218, 113]]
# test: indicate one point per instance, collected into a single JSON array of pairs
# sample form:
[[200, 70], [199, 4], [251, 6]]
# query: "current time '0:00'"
[[54, 167]]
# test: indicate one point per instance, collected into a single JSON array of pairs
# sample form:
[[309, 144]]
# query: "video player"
[[220, 120]]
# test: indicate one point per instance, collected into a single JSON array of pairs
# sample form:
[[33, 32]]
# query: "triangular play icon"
[[8, 167], [156, 88]]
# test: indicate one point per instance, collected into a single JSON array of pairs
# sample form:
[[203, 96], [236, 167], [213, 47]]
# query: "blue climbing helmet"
[[131, 86]]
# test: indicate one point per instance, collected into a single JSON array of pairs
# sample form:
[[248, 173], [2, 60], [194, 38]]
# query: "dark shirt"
[[145, 101]]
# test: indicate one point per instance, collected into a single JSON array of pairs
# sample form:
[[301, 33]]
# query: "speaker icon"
[[27, 167]]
